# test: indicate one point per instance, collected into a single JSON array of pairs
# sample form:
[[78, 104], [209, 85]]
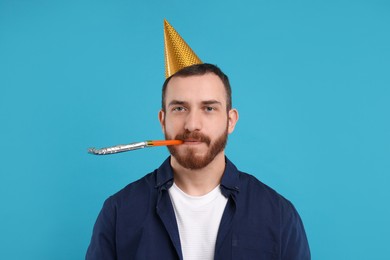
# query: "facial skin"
[[196, 113]]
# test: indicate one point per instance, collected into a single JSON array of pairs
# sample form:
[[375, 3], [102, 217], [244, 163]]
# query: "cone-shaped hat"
[[177, 52]]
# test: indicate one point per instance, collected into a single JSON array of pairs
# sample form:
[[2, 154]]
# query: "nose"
[[193, 121]]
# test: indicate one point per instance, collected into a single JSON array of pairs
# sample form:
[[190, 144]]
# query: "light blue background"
[[310, 80]]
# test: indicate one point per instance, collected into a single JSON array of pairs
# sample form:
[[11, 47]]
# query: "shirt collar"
[[230, 179], [164, 174]]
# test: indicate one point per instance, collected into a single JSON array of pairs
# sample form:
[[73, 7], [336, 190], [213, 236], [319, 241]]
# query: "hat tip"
[[177, 52]]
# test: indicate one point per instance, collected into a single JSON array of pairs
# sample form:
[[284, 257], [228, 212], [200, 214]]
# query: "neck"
[[201, 181]]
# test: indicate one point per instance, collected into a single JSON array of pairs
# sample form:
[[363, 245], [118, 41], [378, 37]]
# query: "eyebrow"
[[205, 102], [211, 102], [176, 102]]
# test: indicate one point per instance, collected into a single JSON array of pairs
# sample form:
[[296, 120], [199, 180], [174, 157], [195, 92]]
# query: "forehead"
[[197, 88]]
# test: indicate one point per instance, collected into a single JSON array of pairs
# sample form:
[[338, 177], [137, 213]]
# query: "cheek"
[[219, 125], [170, 126]]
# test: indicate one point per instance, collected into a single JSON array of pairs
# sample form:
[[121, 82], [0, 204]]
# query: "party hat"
[[177, 52]]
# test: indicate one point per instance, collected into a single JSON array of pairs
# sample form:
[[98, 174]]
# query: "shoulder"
[[251, 190], [251, 184], [254, 190], [130, 206], [141, 193], [138, 190]]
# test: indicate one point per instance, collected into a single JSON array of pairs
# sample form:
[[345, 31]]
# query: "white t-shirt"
[[198, 219]]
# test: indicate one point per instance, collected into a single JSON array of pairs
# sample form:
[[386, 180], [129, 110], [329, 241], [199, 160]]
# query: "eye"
[[178, 109], [209, 109]]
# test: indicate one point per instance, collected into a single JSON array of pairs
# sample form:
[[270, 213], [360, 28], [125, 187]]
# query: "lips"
[[193, 138], [191, 141]]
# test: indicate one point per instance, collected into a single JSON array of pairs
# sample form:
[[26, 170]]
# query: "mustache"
[[197, 136]]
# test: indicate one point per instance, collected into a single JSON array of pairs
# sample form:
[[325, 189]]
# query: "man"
[[197, 205]]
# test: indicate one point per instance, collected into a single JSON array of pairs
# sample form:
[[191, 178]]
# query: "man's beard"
[[188, 158]]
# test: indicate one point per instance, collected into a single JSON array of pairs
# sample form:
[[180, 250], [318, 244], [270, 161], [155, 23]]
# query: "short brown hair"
[[201, 69]]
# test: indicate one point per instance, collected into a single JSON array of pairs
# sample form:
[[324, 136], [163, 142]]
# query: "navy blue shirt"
[[139, 222]]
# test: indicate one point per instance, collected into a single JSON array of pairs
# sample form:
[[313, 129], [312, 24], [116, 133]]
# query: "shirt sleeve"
[[294, 241], [102, 245]]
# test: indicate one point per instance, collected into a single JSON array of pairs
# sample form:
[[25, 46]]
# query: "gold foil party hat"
[[177, 52]]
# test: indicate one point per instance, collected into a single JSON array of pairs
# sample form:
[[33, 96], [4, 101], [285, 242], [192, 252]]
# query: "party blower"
[[132, 146]]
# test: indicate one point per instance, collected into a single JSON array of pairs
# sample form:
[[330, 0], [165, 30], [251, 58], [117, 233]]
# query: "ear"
[[161, 118], [232, 119]]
